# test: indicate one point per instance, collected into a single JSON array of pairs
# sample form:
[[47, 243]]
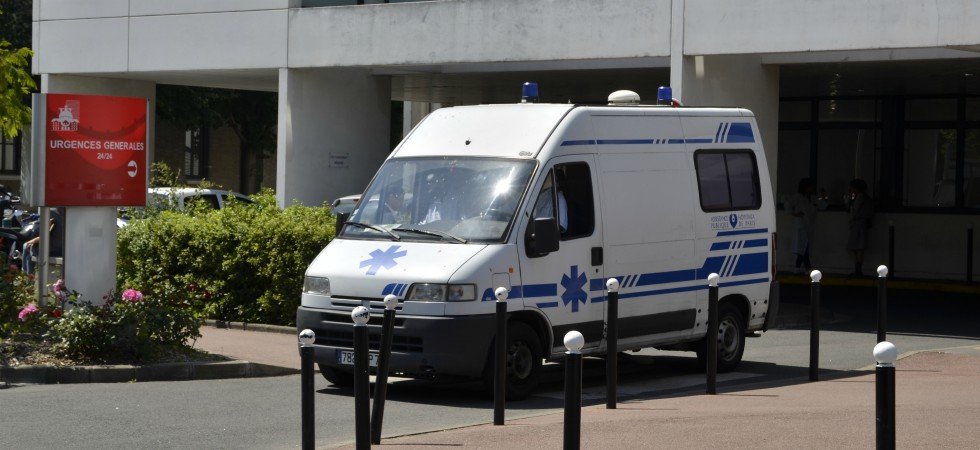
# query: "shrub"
[[16, 292], [130, 327], [242, 263]]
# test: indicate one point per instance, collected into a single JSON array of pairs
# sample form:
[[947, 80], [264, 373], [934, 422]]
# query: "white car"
[[215, 198]]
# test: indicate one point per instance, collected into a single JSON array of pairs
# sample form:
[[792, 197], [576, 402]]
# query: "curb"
[[251, 326], [128, 373]]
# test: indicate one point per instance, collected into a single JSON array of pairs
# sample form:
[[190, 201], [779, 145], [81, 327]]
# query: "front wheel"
[[730, 336], [336, 377], [524, 357]]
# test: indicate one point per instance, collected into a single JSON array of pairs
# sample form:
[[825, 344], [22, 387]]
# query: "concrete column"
[[732, 80], [90, 232], [334, 129]]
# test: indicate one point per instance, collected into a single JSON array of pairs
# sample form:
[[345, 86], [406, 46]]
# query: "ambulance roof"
[[513, 130]]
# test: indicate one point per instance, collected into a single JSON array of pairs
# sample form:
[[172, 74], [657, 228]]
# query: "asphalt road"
[[264, 413]]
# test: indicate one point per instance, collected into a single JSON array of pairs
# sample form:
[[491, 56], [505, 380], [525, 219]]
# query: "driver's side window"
[[568, 190]]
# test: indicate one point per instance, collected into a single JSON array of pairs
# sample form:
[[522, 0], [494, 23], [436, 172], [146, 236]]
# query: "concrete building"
[[842, 89]]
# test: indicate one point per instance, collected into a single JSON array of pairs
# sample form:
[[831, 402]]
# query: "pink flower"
[[28, 310], [132, 295], [58, 286]]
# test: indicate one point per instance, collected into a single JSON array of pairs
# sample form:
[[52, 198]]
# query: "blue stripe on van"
[[740, 132], [719, 246], [745, 231], [623, 141], [581, 142], [756, 243], [751, 263]]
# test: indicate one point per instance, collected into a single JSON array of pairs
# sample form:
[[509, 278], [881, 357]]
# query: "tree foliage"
[[251, 115], [15, 72]]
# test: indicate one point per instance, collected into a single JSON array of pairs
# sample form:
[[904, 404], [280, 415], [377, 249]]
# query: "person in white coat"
[[802, 206]]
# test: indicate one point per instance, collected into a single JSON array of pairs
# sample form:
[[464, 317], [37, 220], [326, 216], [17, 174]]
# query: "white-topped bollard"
[[306, 353], [612, 285], [612, 341], [815, 277], [885, 355], [711, 337], [362, 396], [882, 303], [500, 357], [574, 341], [384, 361]]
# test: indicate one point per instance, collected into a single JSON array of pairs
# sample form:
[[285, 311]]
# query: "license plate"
[[346, 357]]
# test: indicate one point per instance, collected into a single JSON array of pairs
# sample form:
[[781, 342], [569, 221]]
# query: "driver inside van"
[[394, 205]]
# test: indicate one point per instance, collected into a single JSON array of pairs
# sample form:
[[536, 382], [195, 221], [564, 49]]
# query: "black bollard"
[[711, 337], [362, 384], [381, 379], [612, 341], [306, 352], [882, 302], [885, 355], [573, 390], [500, 358], [891, 247], [815, 277], [969, 253]]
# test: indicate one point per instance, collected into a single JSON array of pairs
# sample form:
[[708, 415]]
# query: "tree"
[[15, 74], [251, 115]]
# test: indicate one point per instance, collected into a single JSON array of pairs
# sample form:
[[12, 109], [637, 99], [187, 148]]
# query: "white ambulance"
[[549, 201]]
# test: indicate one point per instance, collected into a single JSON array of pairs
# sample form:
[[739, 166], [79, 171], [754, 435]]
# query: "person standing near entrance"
[[862, 210], [801, 206]]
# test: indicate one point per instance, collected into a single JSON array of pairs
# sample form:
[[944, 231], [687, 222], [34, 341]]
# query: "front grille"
[[345, 319], [376, 305], [345, 339]]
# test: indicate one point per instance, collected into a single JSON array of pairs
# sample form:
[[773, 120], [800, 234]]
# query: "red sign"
[[95, 151]]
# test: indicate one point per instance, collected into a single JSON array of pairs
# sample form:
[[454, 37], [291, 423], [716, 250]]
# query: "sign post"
[[87, 150]]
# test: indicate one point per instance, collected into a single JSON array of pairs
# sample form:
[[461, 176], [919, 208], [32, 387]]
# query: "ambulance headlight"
[[426, 292], [316, 285]]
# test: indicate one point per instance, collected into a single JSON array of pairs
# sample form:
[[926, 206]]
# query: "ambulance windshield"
[[441, 199]]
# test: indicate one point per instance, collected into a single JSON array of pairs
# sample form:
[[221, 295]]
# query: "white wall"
[[478, 31], [774, 26], [340, 111], [90, 232]]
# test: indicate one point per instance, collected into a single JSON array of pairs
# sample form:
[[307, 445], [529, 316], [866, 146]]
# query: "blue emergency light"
[[529, 92], [664, 96]]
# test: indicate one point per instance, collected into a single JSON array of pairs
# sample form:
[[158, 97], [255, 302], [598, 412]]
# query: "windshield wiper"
[[442, 234], [393, 236]]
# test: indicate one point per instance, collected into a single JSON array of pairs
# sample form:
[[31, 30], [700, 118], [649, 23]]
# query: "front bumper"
[[423, 346]]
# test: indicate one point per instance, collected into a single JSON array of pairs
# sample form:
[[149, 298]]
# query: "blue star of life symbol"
[[573, 284], [383, 259]]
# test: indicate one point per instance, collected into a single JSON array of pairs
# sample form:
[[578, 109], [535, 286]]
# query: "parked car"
[[345, 205], [215, 198], [184, 196]]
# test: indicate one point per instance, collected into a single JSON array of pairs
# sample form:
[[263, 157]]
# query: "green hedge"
[[245, 262]]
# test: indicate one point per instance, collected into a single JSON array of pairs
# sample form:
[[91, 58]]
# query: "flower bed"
[[128, 328]]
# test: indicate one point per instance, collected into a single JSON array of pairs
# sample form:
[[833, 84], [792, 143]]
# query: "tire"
[[731, 339], [524, 358], [336, 377]]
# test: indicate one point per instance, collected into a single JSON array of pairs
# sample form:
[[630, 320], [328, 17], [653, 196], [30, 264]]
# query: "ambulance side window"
[[576, 212], [727, 180]]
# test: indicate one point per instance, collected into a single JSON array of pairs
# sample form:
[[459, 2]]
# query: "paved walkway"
[[938, 404], [275, 349]]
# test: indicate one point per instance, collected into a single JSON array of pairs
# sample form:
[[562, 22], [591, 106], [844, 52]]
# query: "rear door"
[[561, 284]]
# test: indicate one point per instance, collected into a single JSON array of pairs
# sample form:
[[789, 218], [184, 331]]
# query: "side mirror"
[[543, 237], [341, 220]]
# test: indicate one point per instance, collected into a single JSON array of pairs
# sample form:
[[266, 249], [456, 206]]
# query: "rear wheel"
[[730, 336], [336, 377]]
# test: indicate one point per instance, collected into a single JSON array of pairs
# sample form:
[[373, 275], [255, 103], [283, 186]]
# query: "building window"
[[9, 155], [197, 146], [914, 152]]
